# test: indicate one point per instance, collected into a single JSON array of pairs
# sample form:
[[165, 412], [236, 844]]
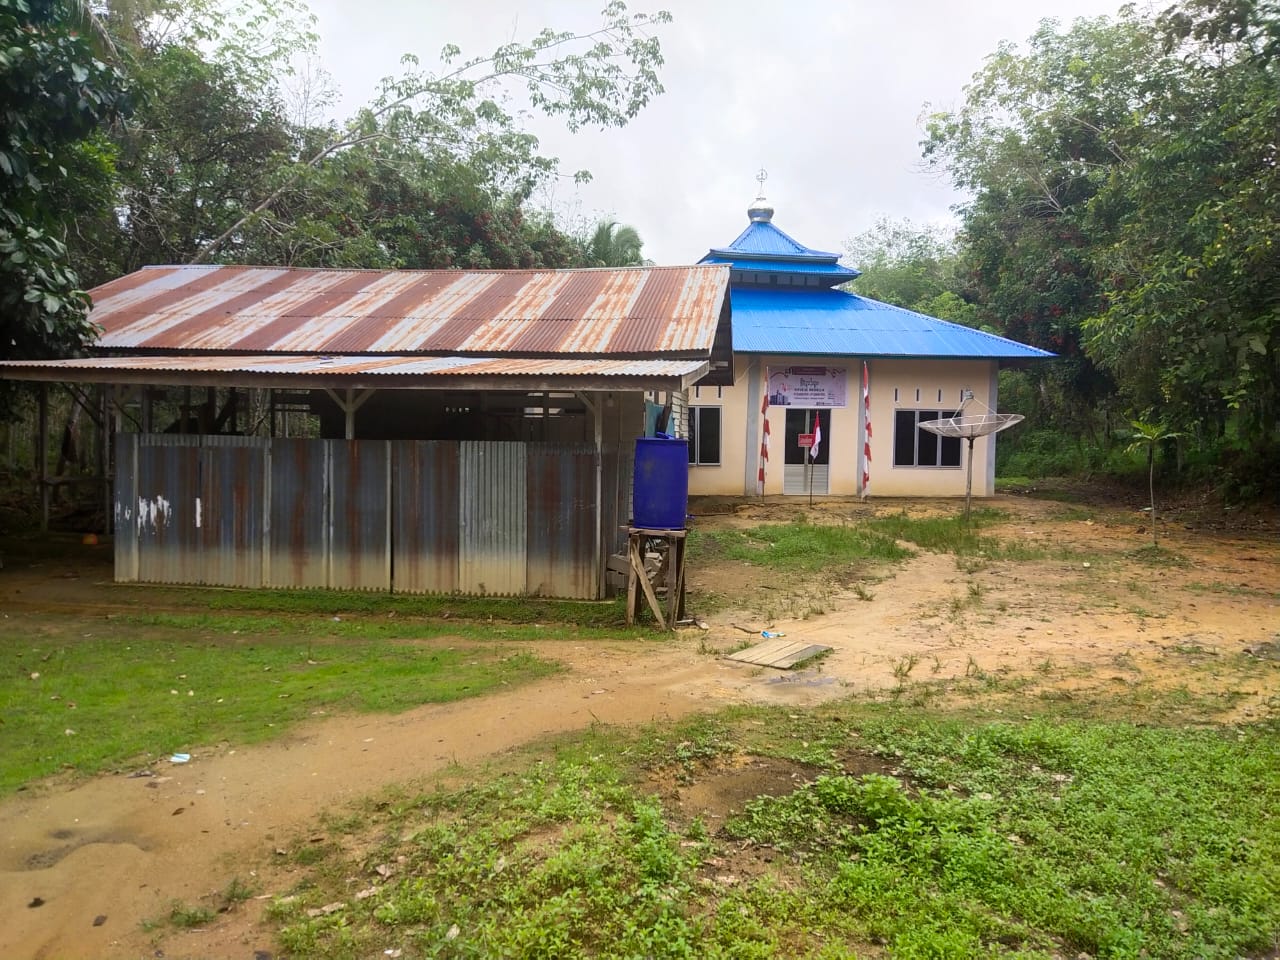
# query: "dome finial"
[[760, 211]]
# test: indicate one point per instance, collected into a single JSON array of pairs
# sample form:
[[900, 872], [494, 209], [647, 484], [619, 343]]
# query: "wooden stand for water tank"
[[672, 572]]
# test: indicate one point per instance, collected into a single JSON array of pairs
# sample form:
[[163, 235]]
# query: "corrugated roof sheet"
[[320, 365], [762, 247], [831, 322], [818, 267], [763, 239], [638, 311]]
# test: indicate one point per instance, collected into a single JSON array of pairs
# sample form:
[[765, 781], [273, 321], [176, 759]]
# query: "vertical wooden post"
[[42, 457], [106, 415]]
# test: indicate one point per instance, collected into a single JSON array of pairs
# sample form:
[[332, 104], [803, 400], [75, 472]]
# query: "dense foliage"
[[1124, 200], [55, 96], [229, 156]]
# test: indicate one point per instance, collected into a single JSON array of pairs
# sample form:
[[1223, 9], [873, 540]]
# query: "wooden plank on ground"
[[781, 654]]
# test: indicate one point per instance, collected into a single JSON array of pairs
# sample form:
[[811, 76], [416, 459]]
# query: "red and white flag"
[[866, 442], [764, 440], [817, 437]]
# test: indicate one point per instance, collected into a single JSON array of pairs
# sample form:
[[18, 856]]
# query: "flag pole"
[[866, 432]]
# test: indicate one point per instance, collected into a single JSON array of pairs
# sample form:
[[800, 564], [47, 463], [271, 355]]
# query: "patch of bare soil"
[[82, 866]]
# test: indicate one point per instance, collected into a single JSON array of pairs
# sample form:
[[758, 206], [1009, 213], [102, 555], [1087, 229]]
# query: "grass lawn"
[[84, 694], [891, 830]]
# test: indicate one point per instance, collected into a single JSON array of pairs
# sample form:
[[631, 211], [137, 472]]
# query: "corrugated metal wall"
[[413, 516], [297, 547], [360, 514], [168, 491], [491, 489], [230, 515], [561, 493], [425, 492]]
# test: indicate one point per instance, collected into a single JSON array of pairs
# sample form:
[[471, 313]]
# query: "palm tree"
[[1146, 435], [615, 245]]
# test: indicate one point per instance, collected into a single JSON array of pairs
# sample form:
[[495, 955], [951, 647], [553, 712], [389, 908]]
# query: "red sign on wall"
[[805, 440]]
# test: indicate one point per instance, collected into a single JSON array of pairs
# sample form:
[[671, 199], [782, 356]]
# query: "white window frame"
[[915, 449]]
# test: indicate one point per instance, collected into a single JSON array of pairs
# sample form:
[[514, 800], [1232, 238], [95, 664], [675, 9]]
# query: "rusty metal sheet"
[[168, 491], [476, 517], [415, 327], [360, 515], [125, 520], [491, 511], [146, 323], [269, 312], [561, 497], [425, 516], [298, 533], [308, 334], [372, 328], [231, 513], [633, 310], [170, 369]]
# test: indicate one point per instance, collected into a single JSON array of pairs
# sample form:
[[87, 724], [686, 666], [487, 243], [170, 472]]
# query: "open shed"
[[466, 432]]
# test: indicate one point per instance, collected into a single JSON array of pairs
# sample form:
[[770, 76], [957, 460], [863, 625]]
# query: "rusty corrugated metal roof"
[[634, 311], [433, 372]]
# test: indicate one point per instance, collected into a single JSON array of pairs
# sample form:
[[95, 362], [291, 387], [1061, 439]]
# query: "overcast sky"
[[828, 97]]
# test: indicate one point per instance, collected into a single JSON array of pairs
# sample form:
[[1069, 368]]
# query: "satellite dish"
[[971, 426]]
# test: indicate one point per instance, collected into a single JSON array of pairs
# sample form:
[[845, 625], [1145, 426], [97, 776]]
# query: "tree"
[[1147, 435], [912, 266], [55, 96], [602, 78], [1123, 179], [436, 172], [615, 245], [1034, 142], [1191, 320], [200, 147]]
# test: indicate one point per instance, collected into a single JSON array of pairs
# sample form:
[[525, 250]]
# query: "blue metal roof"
[[763, 248], [839, 273], [834, 323], [763, 239]]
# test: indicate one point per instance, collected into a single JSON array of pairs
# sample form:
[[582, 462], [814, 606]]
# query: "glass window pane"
[[904, 438], [709, 435], [928, 442]]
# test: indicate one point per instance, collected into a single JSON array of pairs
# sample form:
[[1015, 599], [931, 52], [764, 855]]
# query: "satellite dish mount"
[[970, 426]]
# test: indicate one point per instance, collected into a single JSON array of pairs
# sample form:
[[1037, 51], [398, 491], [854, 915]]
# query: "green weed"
[[181, 915], [802, 547], [1037, 837]]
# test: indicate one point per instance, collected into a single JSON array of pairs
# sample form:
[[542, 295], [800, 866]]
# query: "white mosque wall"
[[906, 385]]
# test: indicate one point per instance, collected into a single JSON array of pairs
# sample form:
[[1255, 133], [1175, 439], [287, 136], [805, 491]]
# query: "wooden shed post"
[[42, 457], [596, 407]]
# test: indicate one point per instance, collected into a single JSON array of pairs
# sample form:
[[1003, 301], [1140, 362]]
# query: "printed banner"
[[808, 386]]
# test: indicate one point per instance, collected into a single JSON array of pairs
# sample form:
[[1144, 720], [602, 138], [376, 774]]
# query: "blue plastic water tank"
[[660, 491]]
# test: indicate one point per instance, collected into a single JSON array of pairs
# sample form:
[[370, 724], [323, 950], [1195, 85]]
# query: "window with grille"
[[913, 447]]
